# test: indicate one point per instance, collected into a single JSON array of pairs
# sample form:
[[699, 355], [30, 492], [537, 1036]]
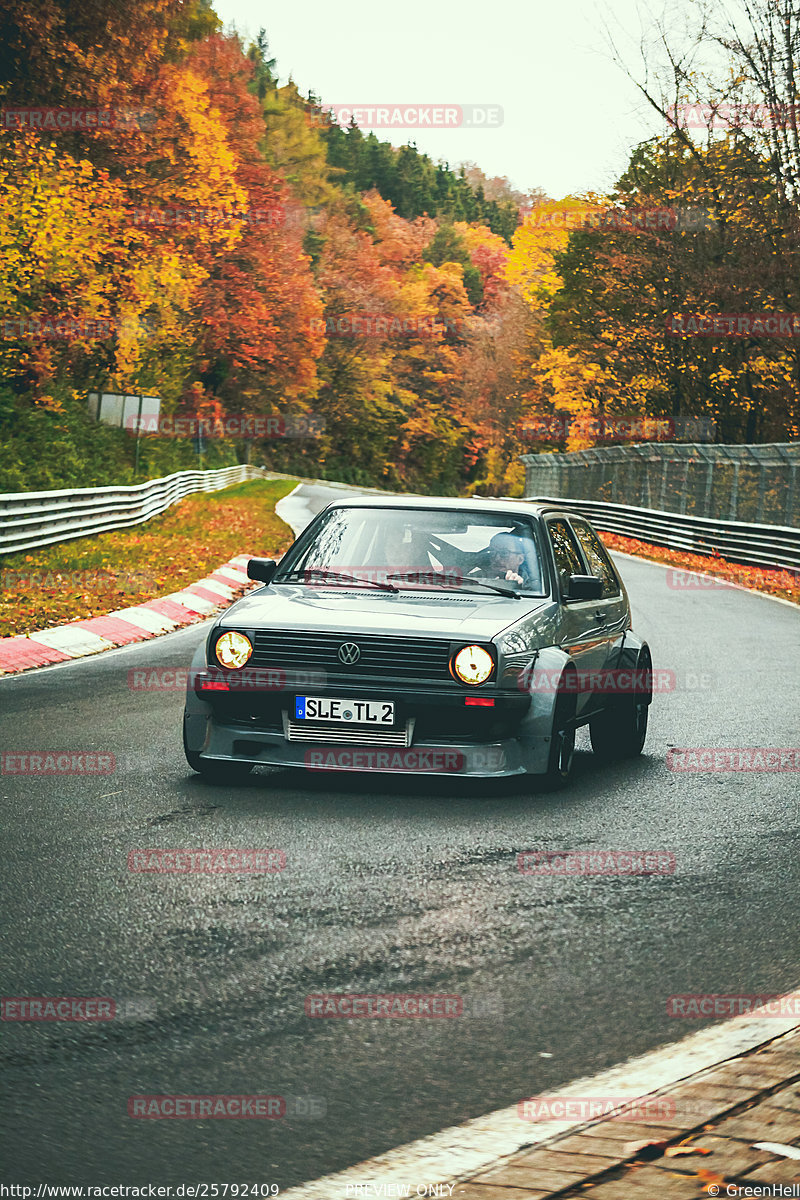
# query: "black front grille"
[[382, 657]]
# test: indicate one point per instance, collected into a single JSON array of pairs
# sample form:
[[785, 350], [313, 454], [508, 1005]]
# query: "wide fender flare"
[[549, 666], [195, 707], [634, 655]]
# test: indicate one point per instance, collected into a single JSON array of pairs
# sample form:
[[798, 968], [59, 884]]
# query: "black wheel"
[[562, 744], [620, 730]]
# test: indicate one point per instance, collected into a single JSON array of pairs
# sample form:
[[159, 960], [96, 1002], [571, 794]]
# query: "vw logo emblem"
[[349, 653]]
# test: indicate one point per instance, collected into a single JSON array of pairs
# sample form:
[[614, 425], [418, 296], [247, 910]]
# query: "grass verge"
[[91, 576], [775, 581]]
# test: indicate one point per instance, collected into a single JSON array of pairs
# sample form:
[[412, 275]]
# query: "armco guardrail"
[[738, 541], [31, 519]]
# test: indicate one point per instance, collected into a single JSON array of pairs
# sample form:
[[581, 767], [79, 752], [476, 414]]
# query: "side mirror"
[[261, 569], [585, 587]]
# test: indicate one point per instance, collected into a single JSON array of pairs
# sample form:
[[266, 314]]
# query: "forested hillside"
[[197, 230]]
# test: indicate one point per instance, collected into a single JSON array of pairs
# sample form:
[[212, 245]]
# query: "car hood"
[[427, 614]]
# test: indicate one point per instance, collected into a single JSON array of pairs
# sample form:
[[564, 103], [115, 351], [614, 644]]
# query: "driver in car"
[[506, 556]]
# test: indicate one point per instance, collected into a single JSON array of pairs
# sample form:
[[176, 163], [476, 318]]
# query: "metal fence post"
[[734, 491], [685, 486], [709, 487], [762, 491], [664, 469]]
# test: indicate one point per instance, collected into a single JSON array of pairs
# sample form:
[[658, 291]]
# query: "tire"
[[562, 744], [620, 730]]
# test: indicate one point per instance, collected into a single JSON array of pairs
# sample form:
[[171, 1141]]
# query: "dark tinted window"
[[568, 560], [597, 558]]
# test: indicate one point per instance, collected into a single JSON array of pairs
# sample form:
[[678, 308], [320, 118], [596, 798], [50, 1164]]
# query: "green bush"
[[45, 448]]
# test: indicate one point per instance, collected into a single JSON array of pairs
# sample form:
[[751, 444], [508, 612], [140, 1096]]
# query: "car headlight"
[[233, 649], [473, 664]]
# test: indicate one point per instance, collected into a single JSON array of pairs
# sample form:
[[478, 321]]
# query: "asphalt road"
[[389, 886]]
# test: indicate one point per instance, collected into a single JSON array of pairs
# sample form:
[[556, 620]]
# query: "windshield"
[[418, 548]]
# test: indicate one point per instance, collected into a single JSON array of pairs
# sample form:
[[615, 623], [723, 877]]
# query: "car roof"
[[465, 504]]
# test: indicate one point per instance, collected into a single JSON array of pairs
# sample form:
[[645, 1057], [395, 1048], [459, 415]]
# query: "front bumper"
[[448, 738]]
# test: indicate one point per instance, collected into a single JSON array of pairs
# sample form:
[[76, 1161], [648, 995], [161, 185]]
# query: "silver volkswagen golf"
[[458, 637]]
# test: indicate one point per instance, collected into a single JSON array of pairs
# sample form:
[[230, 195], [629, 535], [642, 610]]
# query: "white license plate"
[[352, 712]]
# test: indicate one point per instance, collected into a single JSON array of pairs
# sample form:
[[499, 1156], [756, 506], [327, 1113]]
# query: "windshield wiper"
[[493, 587], [433, 577], [447, 581], [340, 575]]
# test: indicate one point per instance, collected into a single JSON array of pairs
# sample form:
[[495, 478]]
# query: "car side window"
[[597, 558], [568, 560]]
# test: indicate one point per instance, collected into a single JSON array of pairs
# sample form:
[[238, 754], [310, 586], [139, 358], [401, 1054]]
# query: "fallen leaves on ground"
[[91, 576], [776, 581]]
